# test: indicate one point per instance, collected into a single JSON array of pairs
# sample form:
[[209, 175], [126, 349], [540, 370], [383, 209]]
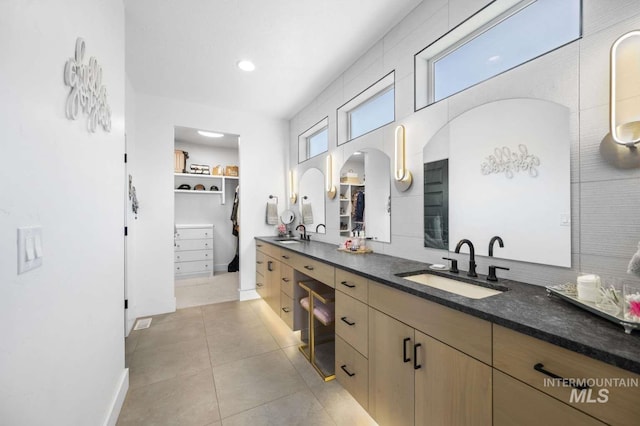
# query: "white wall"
[[62, 350], [207, 208], [575, 76], [262, 172]]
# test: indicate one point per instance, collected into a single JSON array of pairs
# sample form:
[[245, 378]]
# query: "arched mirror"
[[311, 201], [365, 195]]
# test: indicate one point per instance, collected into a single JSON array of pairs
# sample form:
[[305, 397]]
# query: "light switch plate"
[[29, 248]]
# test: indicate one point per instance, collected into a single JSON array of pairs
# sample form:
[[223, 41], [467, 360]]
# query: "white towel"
[[307, 214], [272, 213]]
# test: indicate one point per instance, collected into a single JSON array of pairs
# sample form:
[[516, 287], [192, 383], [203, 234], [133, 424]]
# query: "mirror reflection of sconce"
[[619, 146], [293, 197], [403, 176], [329, 187]]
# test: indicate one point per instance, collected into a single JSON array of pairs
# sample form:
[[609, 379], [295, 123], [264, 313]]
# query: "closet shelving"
[[346, 192], [206, 180]]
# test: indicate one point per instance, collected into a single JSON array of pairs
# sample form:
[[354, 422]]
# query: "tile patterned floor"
[[232, 363], [197, 291]]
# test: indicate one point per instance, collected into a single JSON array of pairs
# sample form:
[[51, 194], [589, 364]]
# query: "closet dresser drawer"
[[352, 322], [193, 249], [351, 284], [204, 233], [531, 361], [193, 245], [193, 267], [192, 255], [312, 268]]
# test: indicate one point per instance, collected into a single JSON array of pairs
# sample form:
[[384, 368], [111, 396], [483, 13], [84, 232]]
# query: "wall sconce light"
[[619, 147], [403, 177], [328, 177], [293, 197]]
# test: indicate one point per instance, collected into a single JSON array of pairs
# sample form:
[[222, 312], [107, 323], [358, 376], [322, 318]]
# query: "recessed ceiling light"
[[210, 134], [494, 58], [357, 153], [246, 65]]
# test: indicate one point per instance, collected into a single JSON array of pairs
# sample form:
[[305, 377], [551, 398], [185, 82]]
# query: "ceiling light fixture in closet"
[[210, 134], [245, 65]]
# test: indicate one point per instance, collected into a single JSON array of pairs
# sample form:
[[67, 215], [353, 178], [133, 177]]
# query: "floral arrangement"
[[282, 229]]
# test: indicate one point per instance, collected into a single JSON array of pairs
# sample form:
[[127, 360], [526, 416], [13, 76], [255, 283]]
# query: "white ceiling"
[[188, 49], [189, 135]]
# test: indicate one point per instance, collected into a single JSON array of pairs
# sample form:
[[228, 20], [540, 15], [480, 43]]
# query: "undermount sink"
[[286, 241], [472, 291]]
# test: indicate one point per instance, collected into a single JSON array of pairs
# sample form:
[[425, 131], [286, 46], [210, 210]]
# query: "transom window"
[[314, 141], [500, 37], [368, 111]]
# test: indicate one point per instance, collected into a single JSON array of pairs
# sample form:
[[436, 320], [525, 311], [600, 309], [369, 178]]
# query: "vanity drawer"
[[261, 262], [352, 322], [351, 284], [464, 332], [268, 249], [192, 255], [286, 279], [286, 257], [312, 268], [515, 403], [352, 371], [286, 309], [193, 267], [194, 233], [516, 354], [182, 245], [261, 287]]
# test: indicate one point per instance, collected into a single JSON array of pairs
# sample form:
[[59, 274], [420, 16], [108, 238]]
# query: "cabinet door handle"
[[344, 368], [286, 310], [416, 366], [270, 266], [286, 280], [404, 349], [346, 321], [285, 256], [259, 284], [346, 284], [310, 268], [258, 245], [540, 367], [259, 262]]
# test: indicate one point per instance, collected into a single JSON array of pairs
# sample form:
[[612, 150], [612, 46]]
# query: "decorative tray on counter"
[[359, 251], [614, 314]]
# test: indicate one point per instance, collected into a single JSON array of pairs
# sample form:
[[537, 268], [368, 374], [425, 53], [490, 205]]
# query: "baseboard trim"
[[248, 295], [118, 400]]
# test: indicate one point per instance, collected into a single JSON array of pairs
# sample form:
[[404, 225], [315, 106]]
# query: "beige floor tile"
[[221, 287], [229, 316], [131, 341], [178, 315], [343, 409], [171, 332], [187, 400], [300, 408], [251, 382], [168, 361], [303, 366], [228, 344], [278, 329]]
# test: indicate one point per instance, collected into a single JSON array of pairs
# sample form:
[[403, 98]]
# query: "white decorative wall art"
[[509, 162], [87, 92]]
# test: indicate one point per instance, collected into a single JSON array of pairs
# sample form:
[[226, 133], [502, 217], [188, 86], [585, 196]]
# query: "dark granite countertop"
[[524, 307]]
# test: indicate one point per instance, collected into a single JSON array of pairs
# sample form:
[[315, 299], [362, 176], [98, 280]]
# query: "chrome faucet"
[[472, 256], [319, 225], [303, 234], [492, 242]]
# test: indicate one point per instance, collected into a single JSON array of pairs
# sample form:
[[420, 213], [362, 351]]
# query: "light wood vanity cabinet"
[[352, 335], [517, 354], [515, 403], [416, 379]]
